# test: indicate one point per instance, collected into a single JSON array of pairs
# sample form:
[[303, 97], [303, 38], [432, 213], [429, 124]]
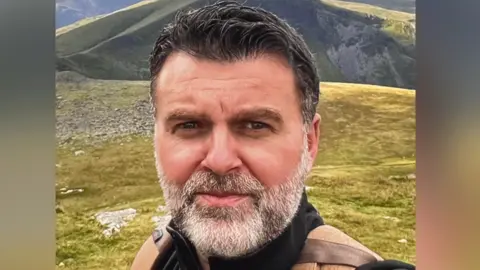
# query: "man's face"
[[231, 150]]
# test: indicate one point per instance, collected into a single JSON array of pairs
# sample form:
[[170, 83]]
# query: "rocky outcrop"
[[103, 122], [115, 220]]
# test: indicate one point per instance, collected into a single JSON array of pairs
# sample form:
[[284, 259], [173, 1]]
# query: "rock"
[[61, 264], [69, 261], [115, 220], [70, 77], [411, 176], [79, 152], [59, 209], [101, 122], [403, 241], [161, 221], [162, 208], [64, 191], [392, 218], [111, 230]]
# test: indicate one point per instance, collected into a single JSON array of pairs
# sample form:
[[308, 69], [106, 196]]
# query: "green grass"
[[65, 29], [403, 31], [405, 6], [365, 124], [82, 22], [93, 32], [373, 10], [368, 135], [397, 24]]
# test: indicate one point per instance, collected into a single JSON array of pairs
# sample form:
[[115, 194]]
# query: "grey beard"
[[234, 231]]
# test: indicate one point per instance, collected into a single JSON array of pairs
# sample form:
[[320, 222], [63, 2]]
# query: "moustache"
[[231, 184]]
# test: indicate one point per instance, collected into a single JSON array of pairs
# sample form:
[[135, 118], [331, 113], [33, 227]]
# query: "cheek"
[[178, 160], [274, 163]]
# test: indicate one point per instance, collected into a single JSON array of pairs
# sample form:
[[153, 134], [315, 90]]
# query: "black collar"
[[281, 253]]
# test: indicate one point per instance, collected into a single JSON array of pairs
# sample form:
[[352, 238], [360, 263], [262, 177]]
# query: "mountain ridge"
[[117, 46], [69, 12], [408, 6]]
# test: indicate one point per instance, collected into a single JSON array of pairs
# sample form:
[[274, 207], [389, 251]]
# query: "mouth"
[[221, 199]]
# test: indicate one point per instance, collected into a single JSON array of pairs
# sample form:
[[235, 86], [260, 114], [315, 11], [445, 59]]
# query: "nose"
[[222, 156]]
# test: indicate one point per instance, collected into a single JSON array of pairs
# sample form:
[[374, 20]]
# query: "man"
[[235, 92]]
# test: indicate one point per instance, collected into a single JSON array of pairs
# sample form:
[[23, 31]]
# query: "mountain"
[[351, 44], [70, 11]]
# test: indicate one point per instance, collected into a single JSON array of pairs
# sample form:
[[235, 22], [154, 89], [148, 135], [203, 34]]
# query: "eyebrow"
[[183, 115], [259, 113], [242, 115]]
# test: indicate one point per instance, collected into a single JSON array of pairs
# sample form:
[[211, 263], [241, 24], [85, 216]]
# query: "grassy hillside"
[[398, 24], [87, 20], [373, 10], [117, 46], [368, 137], [64, 29], [69, 12], [407, 6]]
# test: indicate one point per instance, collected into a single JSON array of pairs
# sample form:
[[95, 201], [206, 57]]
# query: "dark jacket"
[[280, 254]]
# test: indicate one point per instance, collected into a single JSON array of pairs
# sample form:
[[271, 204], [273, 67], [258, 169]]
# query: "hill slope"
[[350, 46], [398, 5], [367, 147], [373, 9], [71, 11]]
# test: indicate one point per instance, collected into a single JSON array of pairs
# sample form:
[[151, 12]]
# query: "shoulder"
[[331, 234], [146, 255], [328, 248], [153, 246]]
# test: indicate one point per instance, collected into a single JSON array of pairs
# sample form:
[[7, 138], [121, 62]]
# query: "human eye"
[[255, 129], [188, 129], [254, 125], [188, 125]]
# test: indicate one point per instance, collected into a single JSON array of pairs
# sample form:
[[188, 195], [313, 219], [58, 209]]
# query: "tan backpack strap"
[[325, 252], [162, 239], [159, 242], [332, 234], [328, 248]]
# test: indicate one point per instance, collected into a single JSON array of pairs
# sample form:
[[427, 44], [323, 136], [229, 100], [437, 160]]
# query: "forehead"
[[266, 80]]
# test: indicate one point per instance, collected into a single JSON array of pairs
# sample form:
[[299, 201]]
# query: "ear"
[[314, 136]]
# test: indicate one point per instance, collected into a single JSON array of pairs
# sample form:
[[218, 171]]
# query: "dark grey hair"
[[228, 31]]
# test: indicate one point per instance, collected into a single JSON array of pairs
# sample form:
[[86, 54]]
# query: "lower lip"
[[231, 200]]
